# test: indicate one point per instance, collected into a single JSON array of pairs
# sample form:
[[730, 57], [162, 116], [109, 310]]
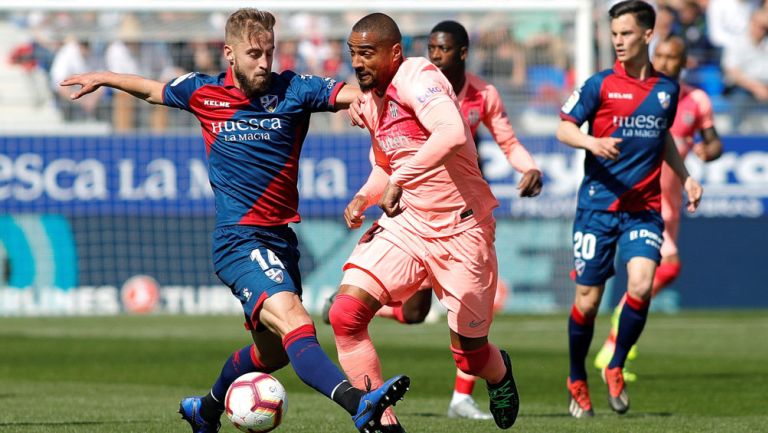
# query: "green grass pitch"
[[699, 372]]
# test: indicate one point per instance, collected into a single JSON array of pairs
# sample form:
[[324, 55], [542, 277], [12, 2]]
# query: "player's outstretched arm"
[[604, 147], [346, 96], [140, 87], [498, 124], [692, 188]]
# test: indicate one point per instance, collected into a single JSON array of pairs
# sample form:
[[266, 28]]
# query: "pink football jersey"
[[481, 103], [448, 198], [694, 113]]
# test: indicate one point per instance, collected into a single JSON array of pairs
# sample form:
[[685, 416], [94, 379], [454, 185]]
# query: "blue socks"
[[631, 323], [580, 331], [310, 362], [237, 365]]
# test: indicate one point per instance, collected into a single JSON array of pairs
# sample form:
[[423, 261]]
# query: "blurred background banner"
[[105, 206], [166, 175]]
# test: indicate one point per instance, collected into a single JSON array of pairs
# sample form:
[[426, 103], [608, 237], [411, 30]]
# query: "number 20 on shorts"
[[584, 245]]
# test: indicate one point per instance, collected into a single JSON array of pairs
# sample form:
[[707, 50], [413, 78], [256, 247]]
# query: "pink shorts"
[[392, 264]]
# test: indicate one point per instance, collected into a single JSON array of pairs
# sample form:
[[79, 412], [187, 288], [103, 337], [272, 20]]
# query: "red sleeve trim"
[[335, 93]]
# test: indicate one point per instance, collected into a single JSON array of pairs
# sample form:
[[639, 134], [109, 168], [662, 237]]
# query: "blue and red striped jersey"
[[253, 145], [639, 112]]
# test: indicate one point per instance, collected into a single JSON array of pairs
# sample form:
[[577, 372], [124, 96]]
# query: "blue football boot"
[[373, 404], [189, 408]]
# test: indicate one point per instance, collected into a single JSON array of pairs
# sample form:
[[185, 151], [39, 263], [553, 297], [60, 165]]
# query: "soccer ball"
[[256, 403]]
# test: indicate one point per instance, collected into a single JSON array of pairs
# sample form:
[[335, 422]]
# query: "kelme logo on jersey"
[[664, 99], [214, 103], [269, 102], [246, 294]]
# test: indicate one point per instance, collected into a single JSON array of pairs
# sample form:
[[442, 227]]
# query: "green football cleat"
[[604, 355], [505, 402], [632, 355]]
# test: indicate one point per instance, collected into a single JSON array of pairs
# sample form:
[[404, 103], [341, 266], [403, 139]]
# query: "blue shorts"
[[596, 234], [256, 262]]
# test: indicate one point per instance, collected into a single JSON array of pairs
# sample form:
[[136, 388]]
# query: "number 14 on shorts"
[[269, 266]]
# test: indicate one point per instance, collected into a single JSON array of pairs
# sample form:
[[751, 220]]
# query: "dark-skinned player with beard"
[[480, 104], [438, 219]]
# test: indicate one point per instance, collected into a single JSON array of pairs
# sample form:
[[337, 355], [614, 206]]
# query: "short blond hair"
[[246, 23]]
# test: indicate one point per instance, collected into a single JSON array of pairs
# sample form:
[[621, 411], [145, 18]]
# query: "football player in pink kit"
[[480, 103], [438, 221], [694, 114]]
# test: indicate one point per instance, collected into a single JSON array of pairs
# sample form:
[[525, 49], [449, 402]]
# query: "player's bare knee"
[[639, 286], [283, 312], [587, 300], [349, 315], [588, 311], [640, 271]]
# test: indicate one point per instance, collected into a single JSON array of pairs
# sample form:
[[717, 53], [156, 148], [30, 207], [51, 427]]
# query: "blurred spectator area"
[[528, 56]]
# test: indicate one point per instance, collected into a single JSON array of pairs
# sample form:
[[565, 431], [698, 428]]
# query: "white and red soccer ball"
[[256, 403]]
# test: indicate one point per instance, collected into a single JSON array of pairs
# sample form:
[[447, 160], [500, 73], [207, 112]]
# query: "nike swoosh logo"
[[474, 324]]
